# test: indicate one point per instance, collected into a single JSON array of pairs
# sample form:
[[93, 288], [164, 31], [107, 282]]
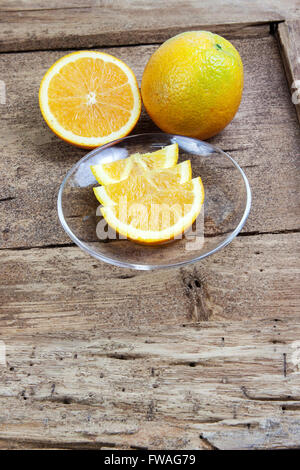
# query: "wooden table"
[[202, 357]]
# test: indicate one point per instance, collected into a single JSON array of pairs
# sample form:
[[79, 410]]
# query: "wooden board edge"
[[51, 41], [287, 34]]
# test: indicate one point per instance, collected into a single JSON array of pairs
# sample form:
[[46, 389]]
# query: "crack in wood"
[[125, 276], [68, 400], [274, 27], [71, 244], [274, 232], [38, 443], [291, 407], [74, 48], [282, 398], [124, 357], [9, 198], [284, 364], [236, 149], [42, 247], [240, 30], [207, 443], [190, 363], [243, 167], [138, 447]]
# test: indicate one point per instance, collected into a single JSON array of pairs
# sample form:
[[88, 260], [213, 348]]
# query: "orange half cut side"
[[89, 98]]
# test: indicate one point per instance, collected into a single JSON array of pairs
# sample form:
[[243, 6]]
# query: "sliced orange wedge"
[[89, 98], [109, 173], [153, 207], [142, 186]]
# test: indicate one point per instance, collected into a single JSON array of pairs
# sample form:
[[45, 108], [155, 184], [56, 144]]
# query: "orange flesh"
[[91, 97], [152, 201]]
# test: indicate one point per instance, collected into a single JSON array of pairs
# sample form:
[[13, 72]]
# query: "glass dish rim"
[[148, 267]]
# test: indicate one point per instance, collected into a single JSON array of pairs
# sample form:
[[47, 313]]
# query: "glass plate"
[[225, 210]]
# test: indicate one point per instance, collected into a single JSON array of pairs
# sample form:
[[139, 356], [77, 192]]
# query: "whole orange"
[[192, 84]]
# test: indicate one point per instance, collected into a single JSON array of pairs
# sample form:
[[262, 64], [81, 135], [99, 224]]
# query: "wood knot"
[[196, 291]]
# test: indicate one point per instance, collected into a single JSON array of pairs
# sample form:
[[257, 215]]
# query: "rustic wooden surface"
[[201, 357], [30, 151]]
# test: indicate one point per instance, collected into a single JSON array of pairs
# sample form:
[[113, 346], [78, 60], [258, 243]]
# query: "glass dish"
[[225, 210]]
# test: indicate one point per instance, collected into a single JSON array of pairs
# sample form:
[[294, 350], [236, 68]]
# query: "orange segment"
[[157, 218], [155, 206], [89, 98], [108, 173], [144, 186]]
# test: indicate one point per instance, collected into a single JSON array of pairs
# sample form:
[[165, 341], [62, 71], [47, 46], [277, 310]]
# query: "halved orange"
[[109, 173], [89, 98], [153, 207]]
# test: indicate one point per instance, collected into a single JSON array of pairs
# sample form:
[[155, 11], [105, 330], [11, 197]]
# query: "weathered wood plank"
[[99, 357], [289, 40], [213, 384], [33, 160], [49, 25], [284, 8], [59, 290]]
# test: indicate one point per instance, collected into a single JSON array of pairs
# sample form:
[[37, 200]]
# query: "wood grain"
[[34, 161], [64, 290], [100, 357], [283, 7], [127, 388], [40, 25], [289, 40]]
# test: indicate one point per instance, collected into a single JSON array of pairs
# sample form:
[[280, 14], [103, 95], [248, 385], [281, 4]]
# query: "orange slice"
[[109, 173], [154, 207], [89, 98], [142, 186]]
